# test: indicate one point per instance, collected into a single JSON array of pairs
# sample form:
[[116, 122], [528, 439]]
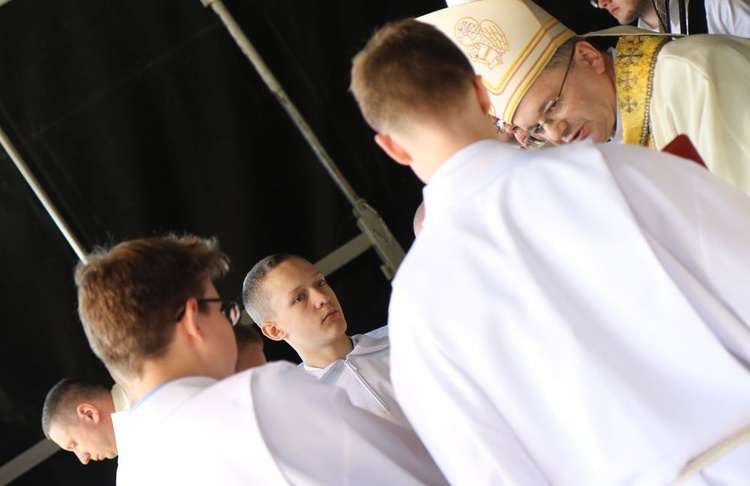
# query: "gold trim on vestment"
[[634, 73]]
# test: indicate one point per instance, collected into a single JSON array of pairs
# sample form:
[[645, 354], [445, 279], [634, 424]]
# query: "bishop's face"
[[569, 103]]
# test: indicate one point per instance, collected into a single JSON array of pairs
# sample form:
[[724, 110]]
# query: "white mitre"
[[509, 42]]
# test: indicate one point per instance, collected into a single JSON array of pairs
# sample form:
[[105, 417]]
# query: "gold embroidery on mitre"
[[484, 41], [634, 73]]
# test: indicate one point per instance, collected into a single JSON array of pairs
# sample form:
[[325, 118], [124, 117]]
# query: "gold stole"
[[634, 72]]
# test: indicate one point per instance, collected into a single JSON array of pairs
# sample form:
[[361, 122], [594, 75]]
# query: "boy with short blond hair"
[[291, 300]]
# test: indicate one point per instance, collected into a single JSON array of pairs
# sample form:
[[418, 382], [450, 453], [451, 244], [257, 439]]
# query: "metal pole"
[[368, 220], [26, 460], [44, 448], [249, 50], [16, 157]]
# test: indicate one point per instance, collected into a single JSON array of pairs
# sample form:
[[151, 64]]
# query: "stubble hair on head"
[[561, 57], [63, 398], [254, 297]]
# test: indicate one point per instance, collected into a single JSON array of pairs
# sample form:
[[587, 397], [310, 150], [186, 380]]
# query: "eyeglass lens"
[[231, 311]]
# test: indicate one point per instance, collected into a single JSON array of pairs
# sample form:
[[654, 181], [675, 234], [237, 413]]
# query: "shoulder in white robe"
[[269, 425], [575, 316]]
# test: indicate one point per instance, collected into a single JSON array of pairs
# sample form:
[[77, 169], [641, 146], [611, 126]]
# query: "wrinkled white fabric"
[[269, 425], [700, 89], [575, 316], [365, 374]]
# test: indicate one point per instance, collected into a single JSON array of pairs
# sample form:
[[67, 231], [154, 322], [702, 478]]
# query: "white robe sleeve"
[[700, 89], [416, 348]]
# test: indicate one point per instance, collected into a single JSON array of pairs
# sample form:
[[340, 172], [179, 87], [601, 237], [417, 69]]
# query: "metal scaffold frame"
[[374, 233]]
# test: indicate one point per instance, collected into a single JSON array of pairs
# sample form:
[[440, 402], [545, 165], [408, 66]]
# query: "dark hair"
[[562, 55]]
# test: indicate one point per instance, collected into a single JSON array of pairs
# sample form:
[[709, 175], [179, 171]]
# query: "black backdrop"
[[140, 117]]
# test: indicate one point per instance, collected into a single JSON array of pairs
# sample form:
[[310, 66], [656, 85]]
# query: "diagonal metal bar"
[[42, 195], [44, 448], [26, 460], [368, 220]]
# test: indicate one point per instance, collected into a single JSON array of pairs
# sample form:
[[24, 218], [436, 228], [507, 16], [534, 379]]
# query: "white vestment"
[[119, 398], [575, 316], [701, 88], [365, 374], [269, 425]]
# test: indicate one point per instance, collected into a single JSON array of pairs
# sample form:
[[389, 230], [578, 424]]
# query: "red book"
[[683, 147]]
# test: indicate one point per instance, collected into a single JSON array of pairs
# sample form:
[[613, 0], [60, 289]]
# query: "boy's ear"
[[393, 149], [190, 324], [272, 332], [87, 412]]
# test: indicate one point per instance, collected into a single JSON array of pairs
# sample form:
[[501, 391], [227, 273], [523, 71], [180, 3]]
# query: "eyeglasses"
[[230, 308], [594, 3], [535, 137]]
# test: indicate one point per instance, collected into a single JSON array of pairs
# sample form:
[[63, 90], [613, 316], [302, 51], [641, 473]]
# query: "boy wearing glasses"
[[571, 316], [152, 314], [290, 300]]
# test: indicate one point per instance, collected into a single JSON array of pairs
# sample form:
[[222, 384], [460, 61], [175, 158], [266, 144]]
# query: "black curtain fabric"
[[141, 117]]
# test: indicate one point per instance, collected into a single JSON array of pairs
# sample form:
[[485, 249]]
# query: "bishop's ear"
[[590, 57]]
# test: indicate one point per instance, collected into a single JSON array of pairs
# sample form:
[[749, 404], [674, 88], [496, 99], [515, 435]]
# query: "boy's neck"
[[650, 18], [320, 358]]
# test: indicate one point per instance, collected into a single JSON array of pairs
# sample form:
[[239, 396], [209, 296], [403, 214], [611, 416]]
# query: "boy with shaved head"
[[291, 301], [77, 416]]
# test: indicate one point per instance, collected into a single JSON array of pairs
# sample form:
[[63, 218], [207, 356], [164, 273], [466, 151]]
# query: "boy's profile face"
[[303, 307], [90, 438], [222, 344]]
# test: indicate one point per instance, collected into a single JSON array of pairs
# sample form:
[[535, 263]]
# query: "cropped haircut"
[[63, 398], [408, 70], [254, 298], [129, 296]]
